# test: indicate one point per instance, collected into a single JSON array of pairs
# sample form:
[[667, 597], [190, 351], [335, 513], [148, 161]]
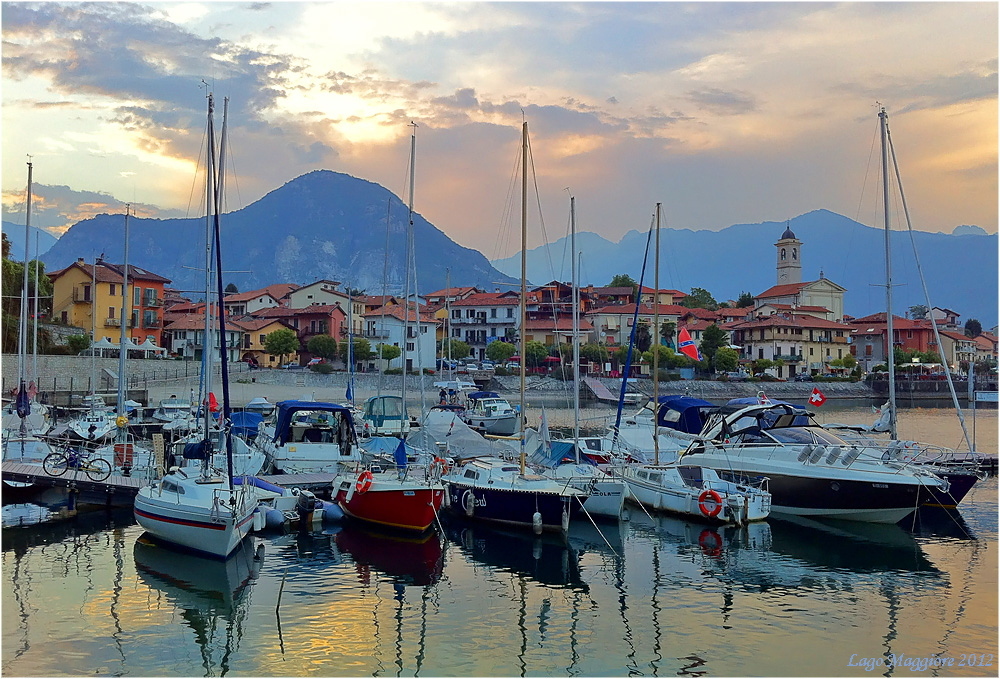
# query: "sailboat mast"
[[524, 275], [22, 336], [93, 331], [575, 298], [656, 342], [406, 265], [34, 322], [123, 341], [890, 344], [206, 344], [224, 423]]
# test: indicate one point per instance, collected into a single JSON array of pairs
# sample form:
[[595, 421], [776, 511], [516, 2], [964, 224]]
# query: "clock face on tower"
[[783, 276]]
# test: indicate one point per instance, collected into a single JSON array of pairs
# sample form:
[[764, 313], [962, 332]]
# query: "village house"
[[90, 296]]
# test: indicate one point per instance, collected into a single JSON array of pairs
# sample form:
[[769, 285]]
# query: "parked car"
[[291, 366], [737, 376], [315, 361], [803, 377]]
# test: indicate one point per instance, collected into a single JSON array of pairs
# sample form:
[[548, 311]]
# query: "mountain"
[[15, 234], [960, 269], [322, 225]]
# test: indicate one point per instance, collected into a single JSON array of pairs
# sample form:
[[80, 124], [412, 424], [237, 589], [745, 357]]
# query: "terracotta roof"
[[251, 324], [111, 273], [793, 321], [698, 312], [644, 309], [784, 290], [797, 307], [397, 312], [487, 299], [276, 291], [274, 312], [450, 292], [321, 309]]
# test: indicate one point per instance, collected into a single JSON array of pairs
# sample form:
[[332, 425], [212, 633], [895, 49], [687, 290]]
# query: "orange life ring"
[[364, 482], [714, 497], [440, 466]]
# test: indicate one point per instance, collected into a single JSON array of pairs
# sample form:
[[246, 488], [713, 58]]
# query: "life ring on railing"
[[439, 467], [715, 498], [710, 542], [364, 482]]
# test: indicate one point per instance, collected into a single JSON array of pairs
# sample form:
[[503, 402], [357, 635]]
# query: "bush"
[[393, 371], [501, 371], [322, 368], [62, 350]]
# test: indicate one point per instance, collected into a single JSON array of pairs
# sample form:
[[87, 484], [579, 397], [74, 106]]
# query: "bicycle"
[[56, 464]]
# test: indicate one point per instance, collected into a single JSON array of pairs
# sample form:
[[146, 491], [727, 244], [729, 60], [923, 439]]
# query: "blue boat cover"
[[475, 395], [246, 424], [286, 409], [683, 413]]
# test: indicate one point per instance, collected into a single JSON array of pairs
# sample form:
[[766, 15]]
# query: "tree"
[[389, 353], [667, 331], [918, 311], [535, 354], [361, 349], [281, 343], [353, 292], [324, 346], [744, 300], [595, 353], [500, 352], [231, 288], [78, 343], [700, 298], [713, 338], [643, 340], [623, 280], [456, 349], [726, 359], [973, 328]]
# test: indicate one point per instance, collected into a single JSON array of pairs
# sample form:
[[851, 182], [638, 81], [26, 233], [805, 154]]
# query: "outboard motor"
[[305, 505]]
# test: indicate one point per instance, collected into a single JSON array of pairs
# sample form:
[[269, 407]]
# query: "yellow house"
[[255, 332], [82, 291]]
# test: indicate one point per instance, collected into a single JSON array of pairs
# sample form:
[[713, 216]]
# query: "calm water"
[[644, 597]]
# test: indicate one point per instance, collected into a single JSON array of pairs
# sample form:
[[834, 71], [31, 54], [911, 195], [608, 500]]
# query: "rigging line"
[[504, 228], [857, 214], [927, 296], [194, 179], [538, 202]]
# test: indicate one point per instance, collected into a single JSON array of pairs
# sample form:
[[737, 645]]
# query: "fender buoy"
[[364, 482], [469, 503], [710, 542], [121, 421], [710, 510]]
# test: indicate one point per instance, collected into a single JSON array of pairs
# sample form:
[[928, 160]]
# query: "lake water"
[[650, 596]]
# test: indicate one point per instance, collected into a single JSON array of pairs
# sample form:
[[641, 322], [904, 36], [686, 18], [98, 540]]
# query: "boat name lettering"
[[880, 485]]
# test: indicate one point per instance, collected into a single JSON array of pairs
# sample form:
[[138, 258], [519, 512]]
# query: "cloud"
[[723, 103]]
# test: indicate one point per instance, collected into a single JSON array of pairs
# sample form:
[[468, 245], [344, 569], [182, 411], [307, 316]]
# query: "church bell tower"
[[789, 266]]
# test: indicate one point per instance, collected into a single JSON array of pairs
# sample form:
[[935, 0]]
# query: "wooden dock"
[[121, 490]]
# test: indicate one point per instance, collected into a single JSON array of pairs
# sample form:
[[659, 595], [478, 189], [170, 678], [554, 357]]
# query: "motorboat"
[[677, 420], [176, 414], [811, 471], [308, 437], [489, 413], [495, 490], [696, 492], [96, 422]]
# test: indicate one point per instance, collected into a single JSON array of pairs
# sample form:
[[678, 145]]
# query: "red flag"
[[213, 405], [687, 346], [817, 398]]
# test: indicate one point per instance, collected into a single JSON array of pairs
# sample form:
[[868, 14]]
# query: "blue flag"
[[22, 403], [350, 394], [400, 454]]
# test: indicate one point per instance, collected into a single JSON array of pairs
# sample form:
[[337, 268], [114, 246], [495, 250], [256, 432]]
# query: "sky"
[[725, 113]]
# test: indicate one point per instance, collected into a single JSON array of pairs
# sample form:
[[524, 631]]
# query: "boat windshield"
[[802, 435]]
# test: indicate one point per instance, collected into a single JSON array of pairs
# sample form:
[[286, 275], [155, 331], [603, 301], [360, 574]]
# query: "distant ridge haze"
[[330, 225]]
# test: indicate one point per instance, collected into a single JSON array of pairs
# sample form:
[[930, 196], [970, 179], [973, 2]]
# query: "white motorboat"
[[696, 492], [489, 413], [308, 436], [810, 470]]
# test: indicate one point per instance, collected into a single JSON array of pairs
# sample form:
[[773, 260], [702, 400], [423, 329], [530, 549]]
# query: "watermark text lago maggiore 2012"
[[921, 664]]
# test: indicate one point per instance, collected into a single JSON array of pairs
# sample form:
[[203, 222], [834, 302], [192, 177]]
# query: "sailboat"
[[495, 490], [204, 511], [24, 414], [396, 492]]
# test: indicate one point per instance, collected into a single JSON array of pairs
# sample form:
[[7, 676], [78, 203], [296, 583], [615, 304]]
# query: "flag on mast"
[[817, 398], [687, 346]]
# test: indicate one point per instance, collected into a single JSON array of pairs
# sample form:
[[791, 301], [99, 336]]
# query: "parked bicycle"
[[56, 464]]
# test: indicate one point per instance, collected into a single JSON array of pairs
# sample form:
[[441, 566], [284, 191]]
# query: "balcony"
[[788, 358], [152, 323], [152, 302], [81, 296], [112, 322]]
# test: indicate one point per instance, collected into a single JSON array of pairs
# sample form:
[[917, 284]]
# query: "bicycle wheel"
[[55, 464], [98, 469]]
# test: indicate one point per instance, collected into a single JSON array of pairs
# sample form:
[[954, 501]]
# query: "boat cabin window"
[[171, 487], [691, 476], [655, 478], [510, 469], [471, 474], [805, 435]]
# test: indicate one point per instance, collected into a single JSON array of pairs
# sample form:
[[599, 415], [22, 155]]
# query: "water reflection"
[[212, 597], [547, 559], [406, 560]]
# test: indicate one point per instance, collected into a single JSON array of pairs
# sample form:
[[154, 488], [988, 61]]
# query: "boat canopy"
[[683, 413], [476, 395], [246, 423], [288, 409]]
